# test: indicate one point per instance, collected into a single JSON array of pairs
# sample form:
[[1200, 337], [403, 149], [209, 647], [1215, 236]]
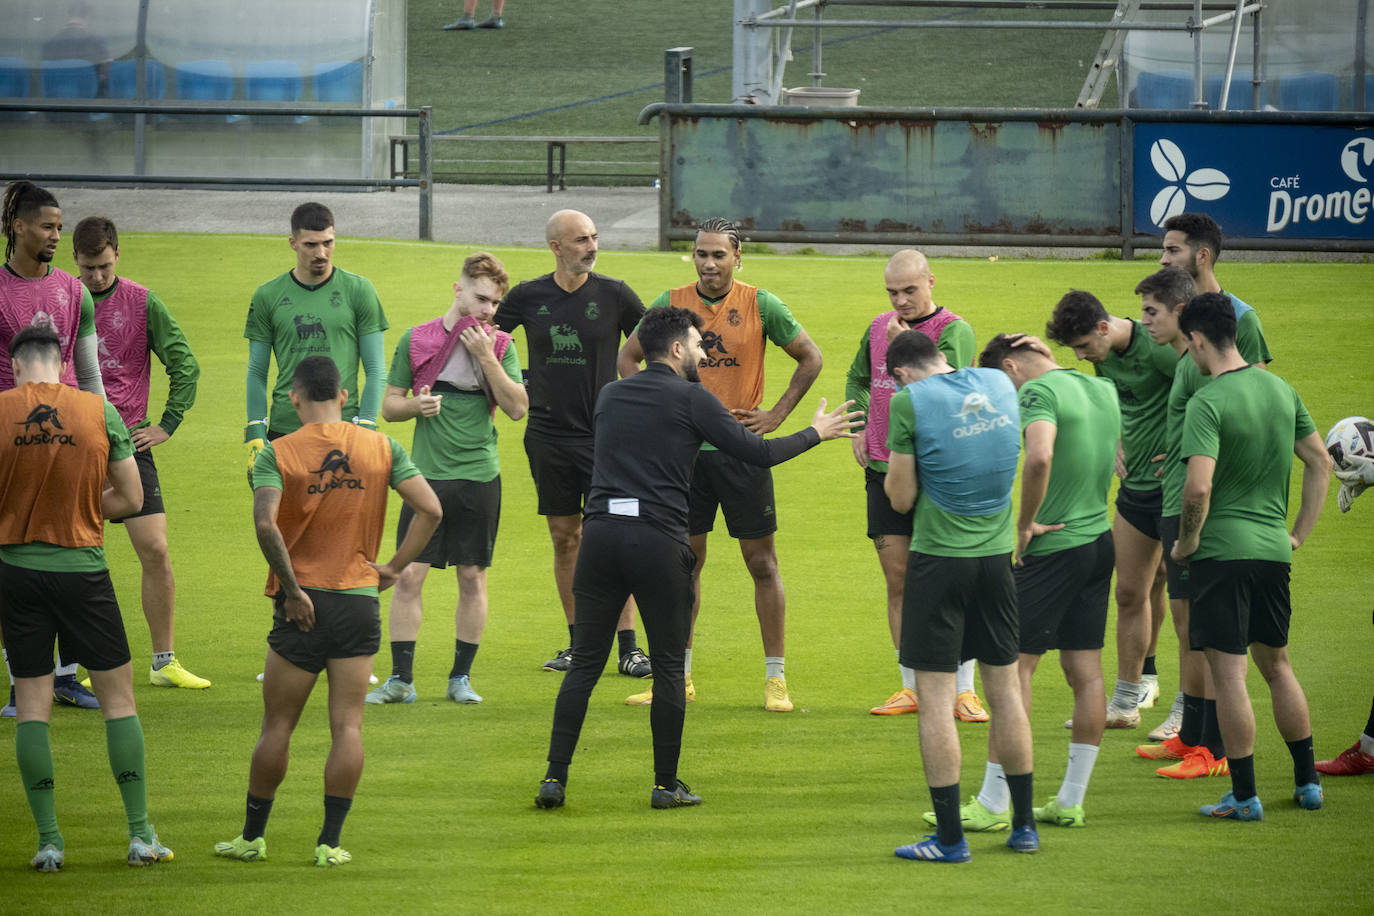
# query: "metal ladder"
[[1108, 57]]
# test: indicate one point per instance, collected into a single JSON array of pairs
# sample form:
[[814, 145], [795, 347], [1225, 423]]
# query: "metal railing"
[[424, 116]]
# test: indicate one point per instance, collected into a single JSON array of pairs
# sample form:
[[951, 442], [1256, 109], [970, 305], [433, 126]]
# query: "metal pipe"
[[202, 108], [1361, 64], [797, 5], [426, 173], [1256, 65], [1175, 6], [816, 72], [784, 51], [1198, 101], [1240, 9], [181, 180], [856, 116], [970, 24], [1231, 58]]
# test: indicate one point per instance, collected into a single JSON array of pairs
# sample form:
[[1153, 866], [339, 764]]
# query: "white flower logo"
[[1204, 184]]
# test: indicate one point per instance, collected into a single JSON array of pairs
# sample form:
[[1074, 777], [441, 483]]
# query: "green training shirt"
[[459, 443], [54, 557], [1248, 420], [1142, 374], [1086, 417], [325, 320]]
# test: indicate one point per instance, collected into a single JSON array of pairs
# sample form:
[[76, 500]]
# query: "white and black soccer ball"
[[1351, 436]]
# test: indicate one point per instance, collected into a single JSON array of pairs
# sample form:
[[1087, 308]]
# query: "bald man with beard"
[[574, 319]]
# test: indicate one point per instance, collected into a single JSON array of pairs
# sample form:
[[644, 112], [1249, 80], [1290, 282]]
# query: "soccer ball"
[[1351, 436]]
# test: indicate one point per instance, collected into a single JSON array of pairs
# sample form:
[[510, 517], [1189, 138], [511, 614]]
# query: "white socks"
[[1077, 773], [1127, 695], [687, 661], [995, 795], [908, 677], [963, 678], [773, 666]]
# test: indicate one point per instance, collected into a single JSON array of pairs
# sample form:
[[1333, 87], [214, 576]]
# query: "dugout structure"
[[220, 71]]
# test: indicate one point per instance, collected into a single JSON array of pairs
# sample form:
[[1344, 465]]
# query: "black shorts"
[[1236, 603], [466, 535], [76, 608], [956, 608], [882, 518], [152, 488], [1177, 575], [346, 626], [1063, 597], [562, 472], [1141, 508], [743, 491]]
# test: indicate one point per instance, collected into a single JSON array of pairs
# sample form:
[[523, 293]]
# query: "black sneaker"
[[550, 794], [677, 797], [560, 662], [636, 664]]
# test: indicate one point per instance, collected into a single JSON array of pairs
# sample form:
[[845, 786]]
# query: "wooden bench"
[[555, 145]]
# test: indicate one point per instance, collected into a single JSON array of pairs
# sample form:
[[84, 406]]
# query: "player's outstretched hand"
[[299, 609], [838, 423], [429, 404], [1031, 341]]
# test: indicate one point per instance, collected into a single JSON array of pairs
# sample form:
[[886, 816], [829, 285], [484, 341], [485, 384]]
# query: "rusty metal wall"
[[929, 176]]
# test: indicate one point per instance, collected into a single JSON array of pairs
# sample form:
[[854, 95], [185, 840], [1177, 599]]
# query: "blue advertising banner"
[[1257, 180]]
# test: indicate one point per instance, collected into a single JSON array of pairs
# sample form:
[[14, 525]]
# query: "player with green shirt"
[[954, 442], [910, 284], [69, 466], [1070, 423], [738, 321], [314, 309], [1240, 433], [460, 369], [1121, 350], [133, 325]]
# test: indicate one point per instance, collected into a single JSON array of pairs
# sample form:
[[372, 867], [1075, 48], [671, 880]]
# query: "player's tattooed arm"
[[1197, 498], [298, 607]]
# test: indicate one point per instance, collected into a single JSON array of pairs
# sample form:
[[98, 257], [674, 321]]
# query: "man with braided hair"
[[739, 321], [32, 291]]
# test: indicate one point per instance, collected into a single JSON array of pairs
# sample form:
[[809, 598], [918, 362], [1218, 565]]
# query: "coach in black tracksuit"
[[649, 428]]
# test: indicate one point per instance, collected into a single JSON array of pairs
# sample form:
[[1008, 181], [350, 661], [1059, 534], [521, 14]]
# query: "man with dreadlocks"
[[33, 292], [739, 321]]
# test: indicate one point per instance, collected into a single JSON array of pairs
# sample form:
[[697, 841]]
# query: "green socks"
[[124, 744], [34, 753]]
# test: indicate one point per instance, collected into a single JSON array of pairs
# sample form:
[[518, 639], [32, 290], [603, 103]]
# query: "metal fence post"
[[426, 174], [677, 76], [1126, 150]]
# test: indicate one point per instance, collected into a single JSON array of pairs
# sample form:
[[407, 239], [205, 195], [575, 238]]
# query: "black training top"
[[573, 339], [649, 428]]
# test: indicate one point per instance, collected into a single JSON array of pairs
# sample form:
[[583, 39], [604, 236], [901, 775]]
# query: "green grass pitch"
[[802, 811]]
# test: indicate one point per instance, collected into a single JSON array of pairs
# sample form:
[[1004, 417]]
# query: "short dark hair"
[[311, 217], [719, 226], [23, 199], [1000, 348], [661, 326], [1200, 230], [1169, 286], [1076, 314], [93, 235], [38, 341], [1212, 316], [317, 378], [911, 350]]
